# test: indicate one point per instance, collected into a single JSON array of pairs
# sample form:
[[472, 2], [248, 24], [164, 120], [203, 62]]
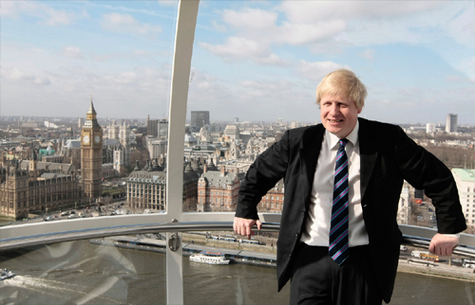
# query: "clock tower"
[[91, 155]]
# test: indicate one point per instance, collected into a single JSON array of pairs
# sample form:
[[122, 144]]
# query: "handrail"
[[419, 236], [21, 235]]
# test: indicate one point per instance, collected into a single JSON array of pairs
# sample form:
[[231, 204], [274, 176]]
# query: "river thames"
[[84, 273]]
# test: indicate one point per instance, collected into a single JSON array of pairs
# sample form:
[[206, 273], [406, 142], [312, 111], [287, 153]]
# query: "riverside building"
[[465, 179], [29, 186]]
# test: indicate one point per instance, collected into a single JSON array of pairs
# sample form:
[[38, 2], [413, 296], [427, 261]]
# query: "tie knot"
[[343, 142]]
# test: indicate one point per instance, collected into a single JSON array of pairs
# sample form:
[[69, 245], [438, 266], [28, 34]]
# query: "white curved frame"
[[174, 220]]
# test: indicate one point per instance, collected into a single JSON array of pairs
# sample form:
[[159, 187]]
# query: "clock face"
[[97, 139], [85, 139]]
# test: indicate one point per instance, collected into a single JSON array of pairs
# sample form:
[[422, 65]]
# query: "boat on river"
[[207, 257], [6, 274]]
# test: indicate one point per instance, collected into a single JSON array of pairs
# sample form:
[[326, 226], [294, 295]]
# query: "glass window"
[[255, 68]]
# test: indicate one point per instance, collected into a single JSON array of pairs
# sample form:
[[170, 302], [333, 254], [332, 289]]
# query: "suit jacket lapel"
[[309, 152], [368, 154], [310, 149]]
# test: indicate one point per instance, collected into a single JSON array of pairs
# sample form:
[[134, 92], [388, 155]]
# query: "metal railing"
[[43, 233], [24, 235]]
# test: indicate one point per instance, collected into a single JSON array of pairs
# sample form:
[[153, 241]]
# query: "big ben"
[[91, 155]]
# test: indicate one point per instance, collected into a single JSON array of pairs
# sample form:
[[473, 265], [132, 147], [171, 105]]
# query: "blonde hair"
[[344, 83]]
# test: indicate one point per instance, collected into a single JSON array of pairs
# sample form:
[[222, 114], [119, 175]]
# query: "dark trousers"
[[318, 280]]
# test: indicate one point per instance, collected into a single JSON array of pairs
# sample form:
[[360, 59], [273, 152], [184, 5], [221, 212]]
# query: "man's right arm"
[[262, 175], [243, 226]]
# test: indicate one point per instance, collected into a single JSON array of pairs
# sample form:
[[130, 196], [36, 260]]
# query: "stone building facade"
[[30, 186], [273, 201], [218, 190], [146, 188]]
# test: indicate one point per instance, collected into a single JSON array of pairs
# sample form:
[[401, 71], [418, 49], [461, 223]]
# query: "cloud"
[[72, 52], [124, 78], [469, 67], [257, 32], [13, 8], [128, 56], [315, 71], [124, 23], [241, 48], [16, 75], [55, 17], [45, 14], [461, 24], [250, 19], [319, 11], [207, 89], [251, 41], [454, 78], [126, 93], [301, 33], [321, 26], [167, 2], [282, 96], [367, 54], [266, 89], [219, 27]]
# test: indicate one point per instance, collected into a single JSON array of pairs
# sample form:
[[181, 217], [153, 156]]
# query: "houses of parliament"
[[28, 185]]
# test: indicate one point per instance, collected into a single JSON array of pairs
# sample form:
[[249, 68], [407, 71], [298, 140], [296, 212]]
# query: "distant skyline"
[[256, 60]]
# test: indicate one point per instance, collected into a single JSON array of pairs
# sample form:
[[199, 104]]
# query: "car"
[[49, 218], [65, 213], [72, 216]]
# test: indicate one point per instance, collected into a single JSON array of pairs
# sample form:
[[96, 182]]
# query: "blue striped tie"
[[338, 249]]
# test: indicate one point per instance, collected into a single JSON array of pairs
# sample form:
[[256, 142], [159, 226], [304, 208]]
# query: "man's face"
[[339, 115]]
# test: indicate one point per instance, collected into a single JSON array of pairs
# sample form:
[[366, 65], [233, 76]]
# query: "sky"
[[254, 60]]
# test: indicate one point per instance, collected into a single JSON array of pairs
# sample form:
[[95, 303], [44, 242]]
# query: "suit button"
[[296, 234]]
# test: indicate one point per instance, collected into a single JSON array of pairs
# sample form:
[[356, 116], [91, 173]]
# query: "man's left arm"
[[424, 171], [443, 244]]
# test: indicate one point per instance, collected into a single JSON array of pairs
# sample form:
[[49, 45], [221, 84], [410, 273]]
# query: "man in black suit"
[[374, 158]]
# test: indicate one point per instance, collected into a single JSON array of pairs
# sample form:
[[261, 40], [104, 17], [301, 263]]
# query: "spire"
[[34, 156], [91, 120], [91, 108]]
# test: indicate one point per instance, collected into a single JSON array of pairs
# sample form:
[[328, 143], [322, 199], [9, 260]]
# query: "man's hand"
[[443, 245], [243, 226]]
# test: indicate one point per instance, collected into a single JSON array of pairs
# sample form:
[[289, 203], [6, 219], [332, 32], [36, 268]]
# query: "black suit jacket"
[[388, 157]]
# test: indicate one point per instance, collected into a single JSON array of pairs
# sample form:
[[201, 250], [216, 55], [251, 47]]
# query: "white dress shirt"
[[317, 224]]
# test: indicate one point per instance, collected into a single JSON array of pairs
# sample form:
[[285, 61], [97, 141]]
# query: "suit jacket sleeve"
[[262, 175]]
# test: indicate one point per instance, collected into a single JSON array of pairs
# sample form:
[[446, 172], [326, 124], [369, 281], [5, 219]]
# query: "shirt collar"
[[333, 140]]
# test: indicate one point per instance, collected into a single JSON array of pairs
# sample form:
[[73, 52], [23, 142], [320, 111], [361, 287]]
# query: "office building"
[[451, 123], [199, 118], [157, 128], [430, 127], [152, 127]]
